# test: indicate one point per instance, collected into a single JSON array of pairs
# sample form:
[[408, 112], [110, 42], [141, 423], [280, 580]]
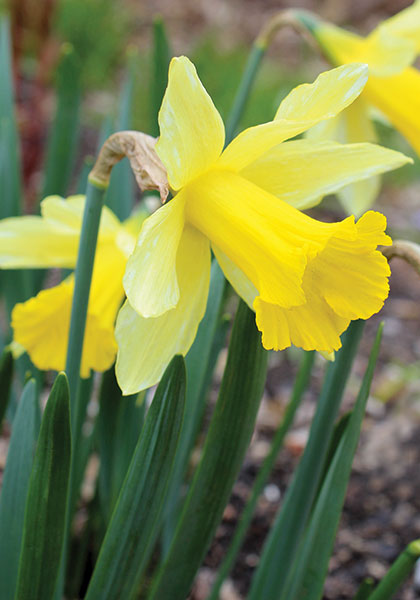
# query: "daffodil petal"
[[145, 346], [405, 24], [41, 326], [238, 280], [30, 242], [52, 239], [398, 97], [303, 108], [339, 45], [68, 213], [351, 126], [150, 279], [386, 54], [191, 130], [302, 171], [312, 326]]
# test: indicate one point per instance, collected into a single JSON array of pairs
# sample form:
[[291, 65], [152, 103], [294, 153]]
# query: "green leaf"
[[14, 487], [308, 576], [136, 523], [160, 63], [197, 362], [15, 283], [10, 174], [229, 434], [43, 534], [6, 376], [283, 540], [117, 430], [301, 383], [120, 194], [398, 572], [62, 141]]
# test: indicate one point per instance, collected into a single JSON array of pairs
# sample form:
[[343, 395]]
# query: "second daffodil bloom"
[[41, 325], [304, 279], [393, 87]]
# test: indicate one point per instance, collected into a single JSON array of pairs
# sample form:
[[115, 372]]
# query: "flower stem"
[[245, 86], [83, 276], [398, 572]]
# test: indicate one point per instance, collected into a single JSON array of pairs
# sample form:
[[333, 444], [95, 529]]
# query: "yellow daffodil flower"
[[304, 279], [393, 88], [41, 325]]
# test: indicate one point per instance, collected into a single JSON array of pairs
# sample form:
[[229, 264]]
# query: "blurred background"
[[88, 63]]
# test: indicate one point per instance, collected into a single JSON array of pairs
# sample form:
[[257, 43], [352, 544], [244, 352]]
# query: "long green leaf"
[[230, 430], [197, 363], [6, 376], [308, 576], [62, 142], [135, 523], [160, 62], [15, 284], [301, 383], [120, 193], [15, 486], [43, 534], [283, 541], [117, 430]]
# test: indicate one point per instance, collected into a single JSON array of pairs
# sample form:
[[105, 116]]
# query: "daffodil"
[[304, 279], [41, 325], [393, 88]]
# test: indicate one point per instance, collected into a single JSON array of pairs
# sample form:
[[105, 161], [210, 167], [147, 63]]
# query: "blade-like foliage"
[[6, 375], [230, 430], [308, 575], [135, 523], [15, 486], [283, 541], [43, 535]]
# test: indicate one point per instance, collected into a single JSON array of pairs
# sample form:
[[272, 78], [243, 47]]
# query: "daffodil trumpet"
[[305, 280]]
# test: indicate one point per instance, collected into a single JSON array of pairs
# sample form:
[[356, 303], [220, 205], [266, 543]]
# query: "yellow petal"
[[50, 240], [145, 346], [191, 130], [150, 280], [312, 326], [398, 97], [238, 280], [386, 54], [301, 172], [339, 45], [305, 106], [41, 326], [351, 126], [405, 24], [353, 276]]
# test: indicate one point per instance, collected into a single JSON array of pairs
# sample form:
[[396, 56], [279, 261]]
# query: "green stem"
[[396, 575], [301, 383], [245, 86], [83, 277]]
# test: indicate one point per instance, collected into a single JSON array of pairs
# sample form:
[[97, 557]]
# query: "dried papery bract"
[[139, 148]]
